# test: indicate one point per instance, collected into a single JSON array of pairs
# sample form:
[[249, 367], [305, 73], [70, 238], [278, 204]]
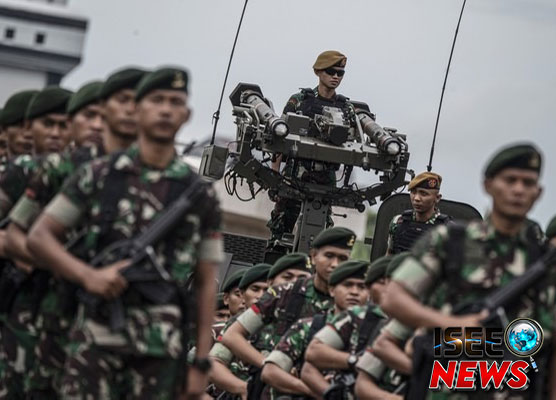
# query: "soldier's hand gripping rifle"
[[144, 273]]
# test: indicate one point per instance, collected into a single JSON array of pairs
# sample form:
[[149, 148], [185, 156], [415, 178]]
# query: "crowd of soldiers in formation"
[[84, 170]]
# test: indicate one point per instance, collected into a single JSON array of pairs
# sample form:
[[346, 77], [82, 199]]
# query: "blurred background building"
[[40, 42]]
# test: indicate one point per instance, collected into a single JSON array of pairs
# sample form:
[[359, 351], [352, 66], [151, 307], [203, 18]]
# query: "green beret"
[[330, 58], [521, 156], [551, 228], [163, 78], [16, 106], [220, 301], [232, 281], [257, 273], [426, 180], [377, 269], [87, 94], [343, 238], [348, 269], [51, 100], [126, 78], [395, 262], [290, 261]]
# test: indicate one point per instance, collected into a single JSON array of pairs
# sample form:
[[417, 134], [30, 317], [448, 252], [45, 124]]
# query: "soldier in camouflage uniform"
[[384, 364], [339, 344], [281, 306], [144, 360], [56, 313], [46, 119], [229, 372], [330, 68], [282, 367], [52, 320], [406, 228], [493, 252]]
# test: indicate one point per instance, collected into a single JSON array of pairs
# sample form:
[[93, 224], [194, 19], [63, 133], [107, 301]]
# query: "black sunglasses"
[[333, 71]]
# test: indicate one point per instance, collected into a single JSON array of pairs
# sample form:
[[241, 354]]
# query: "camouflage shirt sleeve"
[[37, 194], [420, 272], [12, 185], [263, 311], [338, 331], [69, 205], [289, 351]]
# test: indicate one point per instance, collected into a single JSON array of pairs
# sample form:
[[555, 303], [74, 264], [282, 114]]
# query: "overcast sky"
[[501, 87]]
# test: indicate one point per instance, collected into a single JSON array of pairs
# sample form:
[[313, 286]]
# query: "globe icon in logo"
[[524, 337]]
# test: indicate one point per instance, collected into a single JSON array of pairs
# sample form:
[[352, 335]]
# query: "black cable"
[[429, 167], [216, 115]]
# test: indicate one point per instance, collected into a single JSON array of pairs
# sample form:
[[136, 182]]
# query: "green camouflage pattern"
[[490, 261], [271, 309], [347, 325], [54, 318], [152, 334], [14, 180]]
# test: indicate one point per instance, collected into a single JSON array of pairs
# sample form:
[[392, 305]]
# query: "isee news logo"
[[476, 358]]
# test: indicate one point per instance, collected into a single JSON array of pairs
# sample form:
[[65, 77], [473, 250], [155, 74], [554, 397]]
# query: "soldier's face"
[[327, 258], [289, 275], [513, 191], [253, 293], [424, 200], [3, 143], [89, 126], [20, 139], [51, 133], [234, 300], [161, 113], [350, 292], [221, 315], [330, 77], [121, 114]]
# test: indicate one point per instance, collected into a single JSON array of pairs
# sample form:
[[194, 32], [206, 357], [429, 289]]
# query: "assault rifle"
[[144, 273], [495, 303]]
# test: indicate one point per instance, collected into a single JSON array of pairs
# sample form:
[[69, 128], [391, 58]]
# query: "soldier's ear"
[[487, 185], [226, 299]]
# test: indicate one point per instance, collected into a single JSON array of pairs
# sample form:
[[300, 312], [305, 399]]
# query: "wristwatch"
[[352, 360], [202, 364]]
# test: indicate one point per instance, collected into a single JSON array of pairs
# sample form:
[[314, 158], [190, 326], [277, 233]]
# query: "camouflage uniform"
[[222, 353], [18, 331], [289, 352], [285, 212], [489, 261], [142, 360], [342, 333], [270, 310], [54, 317], [386, 378]]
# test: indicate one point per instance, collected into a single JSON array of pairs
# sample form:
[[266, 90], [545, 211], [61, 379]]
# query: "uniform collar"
[[490, 232], [130, 161]]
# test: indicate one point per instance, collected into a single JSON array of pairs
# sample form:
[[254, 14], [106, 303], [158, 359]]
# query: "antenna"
[[429, 167], [216, 115]]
